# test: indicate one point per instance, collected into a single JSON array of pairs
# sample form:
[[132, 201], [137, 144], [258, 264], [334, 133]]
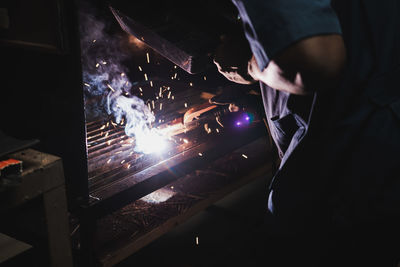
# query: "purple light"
[[238, 123], [247, 118]]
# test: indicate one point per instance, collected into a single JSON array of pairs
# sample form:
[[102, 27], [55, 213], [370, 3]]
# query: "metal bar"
[[140, 184]]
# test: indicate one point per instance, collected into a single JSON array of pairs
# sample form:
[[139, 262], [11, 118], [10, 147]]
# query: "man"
[[328, 76]]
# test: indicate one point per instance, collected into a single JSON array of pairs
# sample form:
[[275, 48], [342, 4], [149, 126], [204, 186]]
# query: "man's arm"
[[314, 63]]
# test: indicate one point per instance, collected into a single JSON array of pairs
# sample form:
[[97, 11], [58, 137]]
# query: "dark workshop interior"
[[120, 159], [121, 144]]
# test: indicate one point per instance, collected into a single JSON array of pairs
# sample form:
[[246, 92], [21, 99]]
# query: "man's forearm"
[[314, 63]]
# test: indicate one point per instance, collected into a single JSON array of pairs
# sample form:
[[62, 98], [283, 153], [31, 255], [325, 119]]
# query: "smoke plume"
[[105, 78]]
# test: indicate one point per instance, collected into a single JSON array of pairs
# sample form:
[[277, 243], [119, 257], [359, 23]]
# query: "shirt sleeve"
[[273, 25]]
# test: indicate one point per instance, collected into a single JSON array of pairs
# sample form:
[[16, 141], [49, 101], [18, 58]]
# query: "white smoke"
[[105, 77]]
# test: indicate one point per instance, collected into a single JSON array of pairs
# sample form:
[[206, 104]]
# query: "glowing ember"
[[109, 86], [147, 58]]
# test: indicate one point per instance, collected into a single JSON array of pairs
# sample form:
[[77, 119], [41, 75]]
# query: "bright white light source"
[[150, 141]]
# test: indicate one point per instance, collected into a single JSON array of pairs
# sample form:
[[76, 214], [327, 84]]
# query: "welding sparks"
[[191, 84], [97, 65], [200, 154], [205, 78], [160, 106], [150, 141], [185, 141], [185, 105], [140, 68], [122, 74], [244, 156], [197, 240], [145, 77], [140, 89], [151, 83], [86, 84], [147, 57], [122, 162], [152, 104], [169, 94], [109, 86], [108, 161], [102, 127]]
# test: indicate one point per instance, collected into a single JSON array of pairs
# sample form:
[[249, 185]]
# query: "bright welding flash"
[[151, 142]]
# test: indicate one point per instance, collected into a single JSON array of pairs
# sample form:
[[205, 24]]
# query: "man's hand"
[[232, 57]]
